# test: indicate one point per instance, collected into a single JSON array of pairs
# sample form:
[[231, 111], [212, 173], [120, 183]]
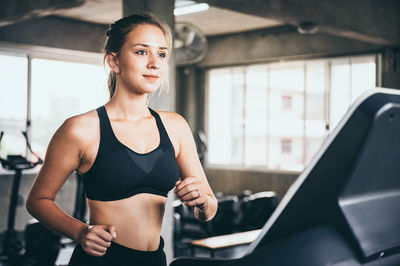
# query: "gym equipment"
[[41, 244], [344, 208], [187, 227], [256, 209], [12, 246], [227, 217]]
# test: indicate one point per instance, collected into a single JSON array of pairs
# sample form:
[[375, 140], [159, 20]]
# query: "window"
[[60, 90], [278, 115], [13, 103], [56, 90]]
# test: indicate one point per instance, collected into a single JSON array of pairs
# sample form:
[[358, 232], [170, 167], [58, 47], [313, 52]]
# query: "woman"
[[129, 155]]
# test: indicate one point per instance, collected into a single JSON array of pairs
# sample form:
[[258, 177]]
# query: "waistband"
[[115, 247]]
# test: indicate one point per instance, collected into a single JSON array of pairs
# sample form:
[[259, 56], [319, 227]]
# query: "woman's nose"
[[153, 62]]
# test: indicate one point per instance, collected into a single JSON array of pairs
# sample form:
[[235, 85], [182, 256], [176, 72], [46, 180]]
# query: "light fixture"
[[307, 27], [191, 8]]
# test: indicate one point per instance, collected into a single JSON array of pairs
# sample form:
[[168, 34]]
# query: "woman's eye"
[[141, 52], [162, 55]]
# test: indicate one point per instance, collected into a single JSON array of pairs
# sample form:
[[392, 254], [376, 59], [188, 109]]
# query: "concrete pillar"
[[164, 10], [186, 88]]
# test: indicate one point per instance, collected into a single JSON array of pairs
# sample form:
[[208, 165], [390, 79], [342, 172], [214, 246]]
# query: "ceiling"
[[214, 21], [369, 21]]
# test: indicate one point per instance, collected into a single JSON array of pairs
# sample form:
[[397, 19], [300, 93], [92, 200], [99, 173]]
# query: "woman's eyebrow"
[[147, 45]]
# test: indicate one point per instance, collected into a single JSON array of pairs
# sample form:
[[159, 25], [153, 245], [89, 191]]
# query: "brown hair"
[[116, 35]]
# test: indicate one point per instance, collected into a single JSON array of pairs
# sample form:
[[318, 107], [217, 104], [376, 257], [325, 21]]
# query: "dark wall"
[[233, 182], [281, 43]]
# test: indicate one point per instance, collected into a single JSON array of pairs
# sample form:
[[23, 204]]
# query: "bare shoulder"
[[177, 129], [174, 121], [82, 122], [72, 140], [81, 127]]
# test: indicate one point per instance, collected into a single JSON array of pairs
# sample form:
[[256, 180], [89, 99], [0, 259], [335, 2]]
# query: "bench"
[[224, 241]]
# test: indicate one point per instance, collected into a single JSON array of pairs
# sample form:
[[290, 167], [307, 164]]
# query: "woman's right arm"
[[64, 154]]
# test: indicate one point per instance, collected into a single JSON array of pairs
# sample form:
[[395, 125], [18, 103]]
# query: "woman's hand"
[[192, 191], [95, 239]]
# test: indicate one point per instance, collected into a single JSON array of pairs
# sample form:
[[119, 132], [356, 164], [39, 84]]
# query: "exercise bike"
[[14, 252]]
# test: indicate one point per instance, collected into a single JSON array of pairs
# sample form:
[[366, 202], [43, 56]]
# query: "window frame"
[[295, 60]]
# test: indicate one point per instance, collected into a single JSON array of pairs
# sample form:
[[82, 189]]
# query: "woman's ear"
[[112, 61]]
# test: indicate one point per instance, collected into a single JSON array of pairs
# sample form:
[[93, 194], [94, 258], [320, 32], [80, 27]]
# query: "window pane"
[[237, 115], [282, 132], [61, 90], [286, 124], [219, 118], [362, 75], [339, 91], [287, 76], [13, 103], [256, 116], [315, 107], [349, 79]]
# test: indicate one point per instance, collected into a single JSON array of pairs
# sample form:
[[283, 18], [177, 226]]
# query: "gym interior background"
[[273, 81]]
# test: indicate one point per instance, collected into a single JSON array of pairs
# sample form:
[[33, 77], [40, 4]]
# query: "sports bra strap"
[[164, 138], [105, 125], [107, 140]]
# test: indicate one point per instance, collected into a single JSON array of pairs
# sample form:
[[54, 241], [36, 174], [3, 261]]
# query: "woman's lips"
[[151, 77]]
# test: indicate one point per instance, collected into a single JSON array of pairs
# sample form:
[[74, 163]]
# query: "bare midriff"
[[137, 219]]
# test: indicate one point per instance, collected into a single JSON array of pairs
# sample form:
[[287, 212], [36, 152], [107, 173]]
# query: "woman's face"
[[143, 60]]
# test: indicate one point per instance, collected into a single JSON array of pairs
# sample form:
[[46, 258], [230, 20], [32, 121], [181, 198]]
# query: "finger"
[[177, 185], [94, 252], [192, 192], [182, 190], [195, 202], [97, 254], [186, 192], [101, 232], [93, 239], [101, 242], [191, 195], [98, 248], [112, 230], [188, 180]]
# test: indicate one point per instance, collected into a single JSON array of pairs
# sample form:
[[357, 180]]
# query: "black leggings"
[[118, 255]]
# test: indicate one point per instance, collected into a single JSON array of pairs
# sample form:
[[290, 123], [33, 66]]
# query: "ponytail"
[[112, 83]]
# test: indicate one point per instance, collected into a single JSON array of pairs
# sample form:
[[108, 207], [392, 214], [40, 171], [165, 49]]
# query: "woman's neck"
[[128, 106]]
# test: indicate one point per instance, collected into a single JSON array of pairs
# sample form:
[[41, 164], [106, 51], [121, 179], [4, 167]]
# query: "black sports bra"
[[118, 172]]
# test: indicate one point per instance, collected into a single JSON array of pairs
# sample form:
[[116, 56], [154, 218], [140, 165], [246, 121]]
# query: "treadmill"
[[344, 208]]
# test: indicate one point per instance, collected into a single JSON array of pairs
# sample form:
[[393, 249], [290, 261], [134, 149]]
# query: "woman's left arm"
[[193, 190]]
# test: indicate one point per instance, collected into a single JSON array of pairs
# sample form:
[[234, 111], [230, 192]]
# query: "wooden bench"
[[224, 241]]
